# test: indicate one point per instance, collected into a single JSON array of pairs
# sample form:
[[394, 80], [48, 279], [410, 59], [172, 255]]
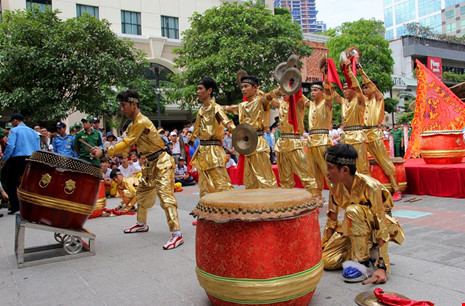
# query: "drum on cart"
[[101, 202], [442, 147], [259, 246], [58, 190], [401, 176]]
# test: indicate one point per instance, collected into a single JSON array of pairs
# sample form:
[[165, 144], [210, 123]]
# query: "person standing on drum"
[[89, 136], [22, 142], [320, 116], [255, 111], [290, 147], [353, 112], [374, 116], [361, 239], [157, 171], [209, 158]]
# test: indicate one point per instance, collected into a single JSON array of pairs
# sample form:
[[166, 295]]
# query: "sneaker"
[[397, 196], [137, 229], [174, 242], [354, 272]]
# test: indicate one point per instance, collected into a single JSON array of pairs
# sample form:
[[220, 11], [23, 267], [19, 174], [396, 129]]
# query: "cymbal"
[[244, 138], [368, 298]]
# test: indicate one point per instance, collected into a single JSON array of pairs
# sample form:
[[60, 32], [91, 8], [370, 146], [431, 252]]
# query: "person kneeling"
[[359, 243], [126, 190]]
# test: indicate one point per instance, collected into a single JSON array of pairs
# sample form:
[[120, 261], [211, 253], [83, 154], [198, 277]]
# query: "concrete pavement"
[[134, 270]]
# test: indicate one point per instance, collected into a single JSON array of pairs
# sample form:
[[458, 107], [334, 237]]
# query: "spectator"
[[229, 161], [134, 162], [126, 169], [176, 151], [110, 140], [22, 142], [63, 143], [96, 126], [398, 136], [335, 136], [227, 144], [181, 175], [89, 136]]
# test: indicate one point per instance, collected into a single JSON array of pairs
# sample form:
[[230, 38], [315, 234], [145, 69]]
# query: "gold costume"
[[374, 116], [290, 149], [366, 220], [258, 173], [210, 156], [353, 119], [319, 124], [127, 192], [157, 172]]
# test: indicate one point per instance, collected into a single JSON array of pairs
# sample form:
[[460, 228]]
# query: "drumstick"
[[371, 280], [86, 144]]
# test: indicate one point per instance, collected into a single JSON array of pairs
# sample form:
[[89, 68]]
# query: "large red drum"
[[101, 202], [258, 247], [58, 190], [442, 147], [401, 177]]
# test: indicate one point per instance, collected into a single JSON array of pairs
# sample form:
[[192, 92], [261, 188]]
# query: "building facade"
[[436, 14], [304, 13]]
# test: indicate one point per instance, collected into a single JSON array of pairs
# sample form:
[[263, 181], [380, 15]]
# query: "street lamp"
[[157, 69]]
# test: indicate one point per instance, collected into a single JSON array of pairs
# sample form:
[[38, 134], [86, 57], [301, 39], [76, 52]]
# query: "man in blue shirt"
[[22, 141], [63, 143]]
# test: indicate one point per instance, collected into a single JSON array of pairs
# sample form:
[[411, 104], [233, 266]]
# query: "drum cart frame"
[[72, 242]]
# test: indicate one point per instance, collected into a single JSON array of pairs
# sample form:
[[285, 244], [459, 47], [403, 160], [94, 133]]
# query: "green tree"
[[367, 36], [51, 67], [230, 37]]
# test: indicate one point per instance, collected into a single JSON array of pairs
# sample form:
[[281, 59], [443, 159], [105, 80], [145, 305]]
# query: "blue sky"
[[334, 13]]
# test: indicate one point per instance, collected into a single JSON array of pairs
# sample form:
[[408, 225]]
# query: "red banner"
[[437, 108], [435, 66]]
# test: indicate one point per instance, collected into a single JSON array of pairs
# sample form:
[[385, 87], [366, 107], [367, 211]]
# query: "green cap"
[[8, 125], [77, 124], [88, 119]]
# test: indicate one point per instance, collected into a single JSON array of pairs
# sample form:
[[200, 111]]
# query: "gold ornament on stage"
[[244, 138]]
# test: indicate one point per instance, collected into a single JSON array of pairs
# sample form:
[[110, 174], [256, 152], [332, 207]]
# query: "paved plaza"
[[132, 269]]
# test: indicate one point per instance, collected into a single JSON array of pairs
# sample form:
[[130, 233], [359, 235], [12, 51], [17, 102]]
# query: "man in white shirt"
[[126, 169], [176, 151]]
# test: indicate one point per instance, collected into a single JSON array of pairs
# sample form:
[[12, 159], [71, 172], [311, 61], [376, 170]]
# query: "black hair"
[[114, 173], [342, 152], [208, 83], [317, 83], [251, 79], [130, 95]]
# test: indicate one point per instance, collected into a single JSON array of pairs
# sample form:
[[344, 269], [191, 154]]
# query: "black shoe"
[[1, 215], [12, 212]]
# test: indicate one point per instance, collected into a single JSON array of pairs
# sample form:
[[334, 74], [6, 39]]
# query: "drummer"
[[362, 237], [89, 136], [209, 129], [157, 172], [255, 111]]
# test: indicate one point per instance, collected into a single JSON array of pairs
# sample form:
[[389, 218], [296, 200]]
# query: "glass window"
[[400, 31], [91, 10], [405, 11], [388, 18], [450, 14], [170, 27], [387, 2], [433, 22], [462, 24], [426, 7], [452, 2], [450, 27], [462, 10], [130, 23], [389, 35], [42, 4]]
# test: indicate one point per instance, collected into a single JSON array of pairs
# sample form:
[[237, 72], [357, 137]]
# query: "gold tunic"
[[157, 175], [210, 159], [257, 165], [127, 192], [365, 222], [290, 152], [374, 116]]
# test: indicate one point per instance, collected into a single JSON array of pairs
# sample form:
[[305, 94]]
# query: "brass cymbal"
[[291, 81], [368, 298], [239, 75], [293, 61], [244, 138], [279, 71]]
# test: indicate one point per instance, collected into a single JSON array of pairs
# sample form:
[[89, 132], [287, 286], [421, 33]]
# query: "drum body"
[[58, 190], [101, 202], [442, 147], [401, 177], [258, 247]]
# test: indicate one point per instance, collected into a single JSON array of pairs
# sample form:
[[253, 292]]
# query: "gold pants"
[[258, 173], [378, 150], [363, 165], [158, 179], [214, 180], [295, 162], [352, 239], [317, 164]]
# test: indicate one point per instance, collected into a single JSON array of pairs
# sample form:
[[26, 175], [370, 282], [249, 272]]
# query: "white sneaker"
[[354, 272], [174, 242]]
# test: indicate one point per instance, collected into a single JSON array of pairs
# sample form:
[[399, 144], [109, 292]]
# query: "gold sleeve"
[[378, 208], [221, 116], [332, 208]]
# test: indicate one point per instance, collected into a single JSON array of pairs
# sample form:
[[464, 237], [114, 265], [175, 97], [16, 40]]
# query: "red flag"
[[437, 108], [292, 109], [333, 77], [394, 300]]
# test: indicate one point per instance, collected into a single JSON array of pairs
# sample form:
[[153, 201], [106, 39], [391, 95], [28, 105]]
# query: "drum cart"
[[72, 241]]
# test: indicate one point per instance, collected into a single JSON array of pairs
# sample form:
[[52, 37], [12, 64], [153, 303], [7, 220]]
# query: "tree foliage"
[[230, 37], [390, 105], [453, 77], [50, 67], [416, 29], [367, 36]]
